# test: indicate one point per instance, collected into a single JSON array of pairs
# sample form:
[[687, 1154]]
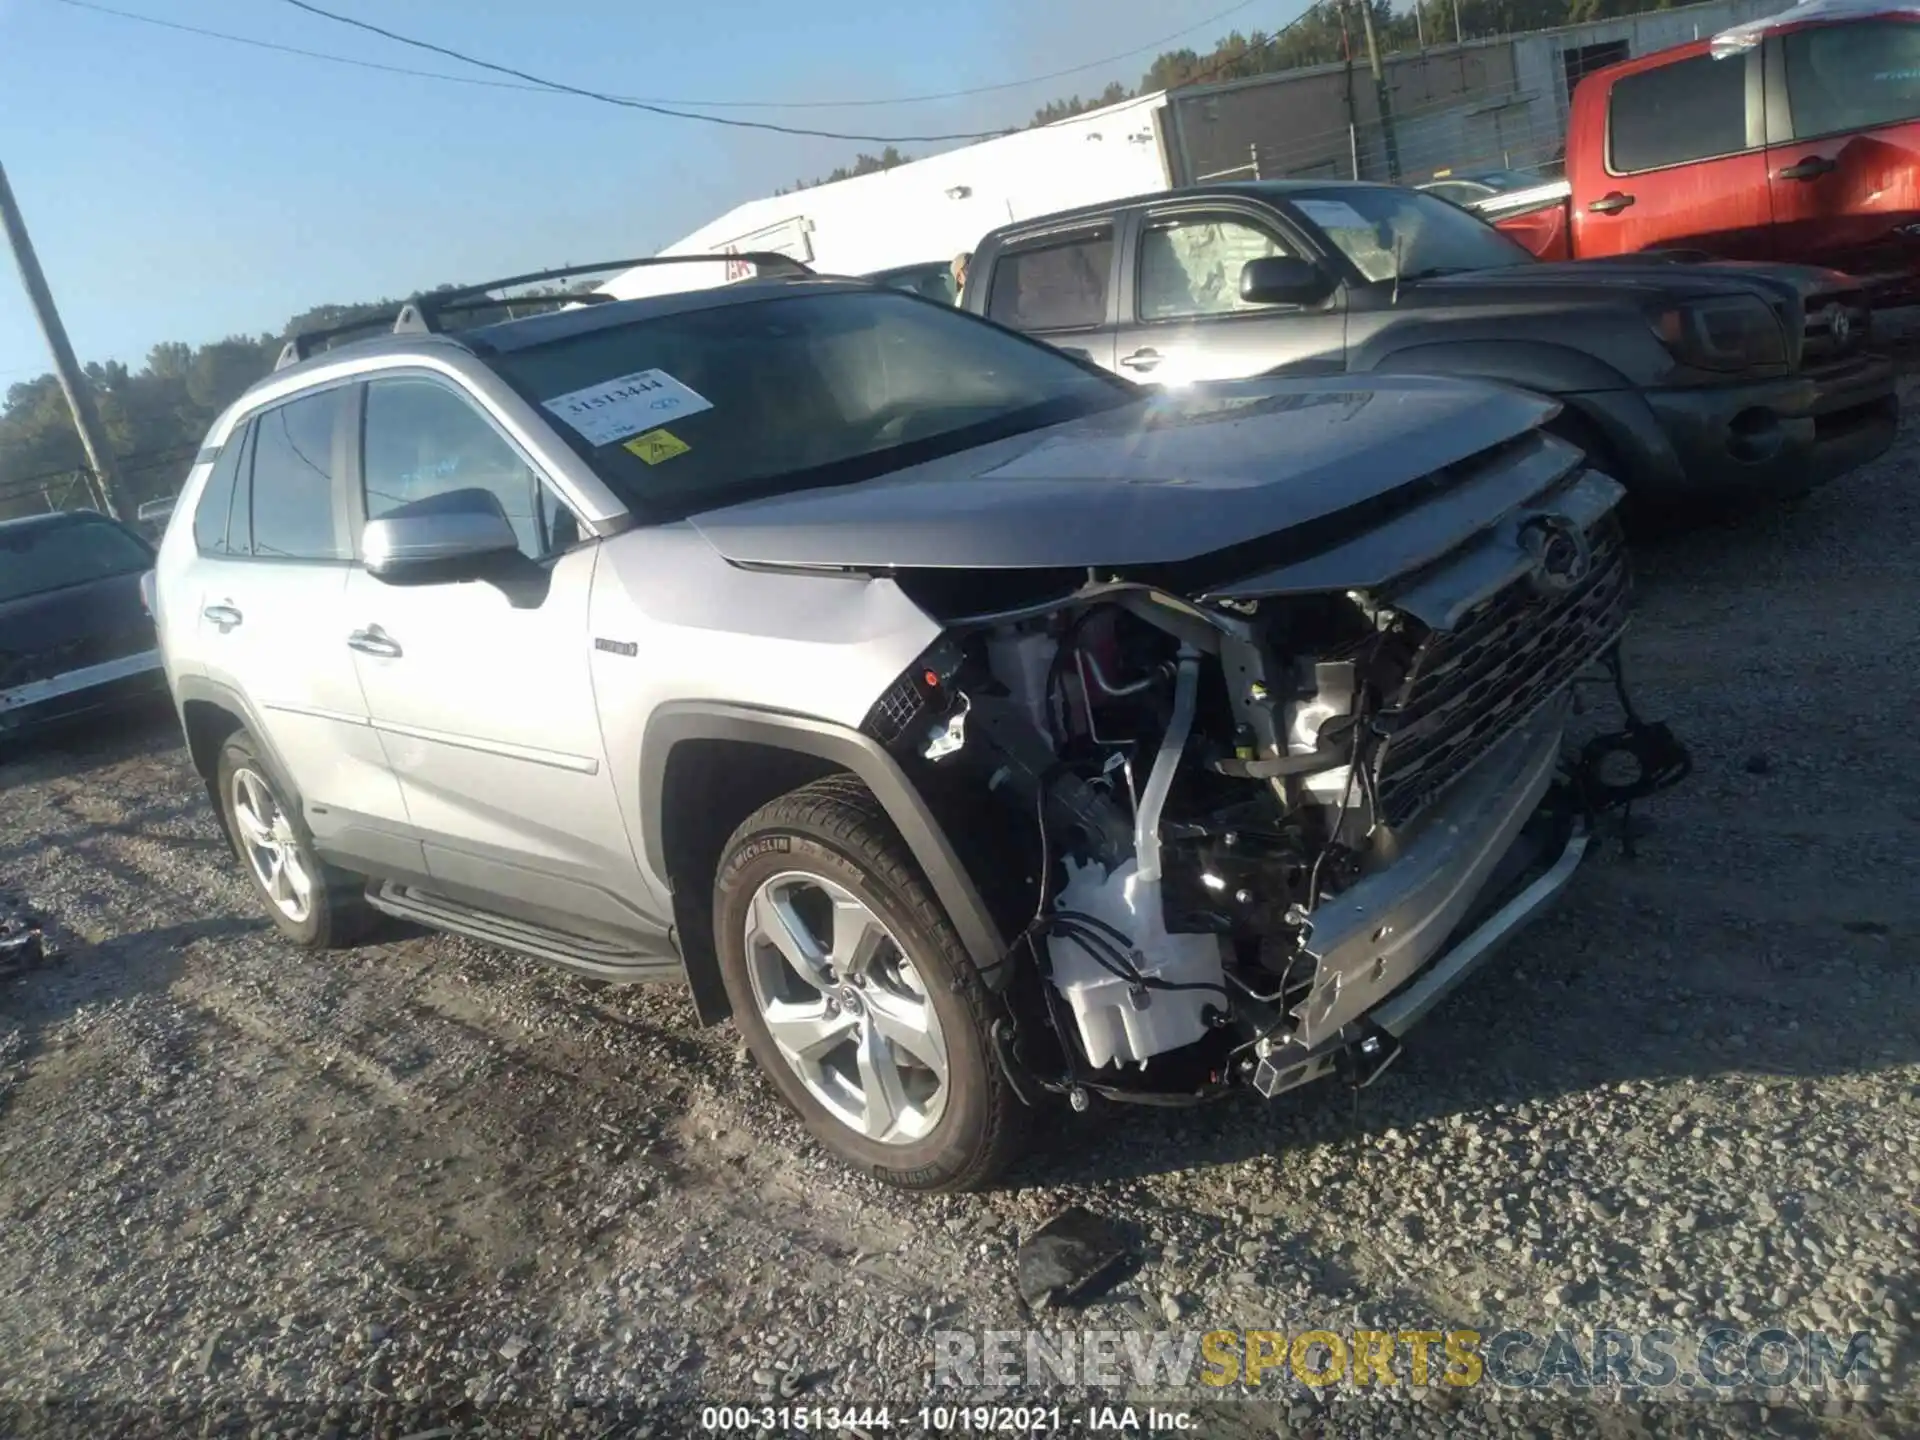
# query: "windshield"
[[690, 411], [935, 282], [1384, 230], [38, 558]]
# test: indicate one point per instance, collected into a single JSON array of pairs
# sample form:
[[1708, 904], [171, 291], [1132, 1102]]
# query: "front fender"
[[1531, 364], [1592, 393], [844, 749]]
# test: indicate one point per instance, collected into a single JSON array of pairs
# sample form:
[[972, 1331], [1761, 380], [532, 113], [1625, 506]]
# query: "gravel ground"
[[426, 1188]]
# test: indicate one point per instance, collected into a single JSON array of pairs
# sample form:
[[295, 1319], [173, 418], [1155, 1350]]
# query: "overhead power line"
[[1267, 42], [626, 104], [296, 50], [355, 61], [1004, 85]]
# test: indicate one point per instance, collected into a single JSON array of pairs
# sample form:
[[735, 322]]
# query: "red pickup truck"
[[1795, 138]]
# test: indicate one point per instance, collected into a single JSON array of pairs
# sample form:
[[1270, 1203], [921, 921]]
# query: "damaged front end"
[[1265, 822]]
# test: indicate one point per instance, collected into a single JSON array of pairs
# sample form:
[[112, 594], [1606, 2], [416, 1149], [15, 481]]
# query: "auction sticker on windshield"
[[615, 409], [656, 445]]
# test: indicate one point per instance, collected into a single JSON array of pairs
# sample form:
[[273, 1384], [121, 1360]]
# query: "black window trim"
[[1088, 227], [1753, 100], [246, 430], [1282, 226], [356, 497], [212, 456], [1779, 99]]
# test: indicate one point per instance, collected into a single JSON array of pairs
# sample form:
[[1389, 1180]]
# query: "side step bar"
[[601, 959]]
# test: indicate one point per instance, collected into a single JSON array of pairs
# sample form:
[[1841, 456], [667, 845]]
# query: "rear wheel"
[[856, 996], [309, 902]]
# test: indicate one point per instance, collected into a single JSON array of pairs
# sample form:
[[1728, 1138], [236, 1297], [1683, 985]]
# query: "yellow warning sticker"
[[656, 445]]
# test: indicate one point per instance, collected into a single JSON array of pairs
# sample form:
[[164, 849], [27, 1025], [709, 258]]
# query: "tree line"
[[1325, 34], [155, 417]]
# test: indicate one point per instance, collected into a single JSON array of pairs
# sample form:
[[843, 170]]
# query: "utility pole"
[[1380, 93], [86, 418], [1458, 37], [1353, 115]]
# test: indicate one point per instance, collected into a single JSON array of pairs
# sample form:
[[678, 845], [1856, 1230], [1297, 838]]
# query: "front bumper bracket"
[[1287, 1067]]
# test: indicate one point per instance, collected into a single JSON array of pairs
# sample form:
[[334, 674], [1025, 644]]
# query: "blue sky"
[[185, 188]]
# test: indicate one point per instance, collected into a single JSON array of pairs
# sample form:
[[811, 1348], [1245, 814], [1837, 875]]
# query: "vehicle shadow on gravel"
[[76, 974], [182, 825], [148, 727]]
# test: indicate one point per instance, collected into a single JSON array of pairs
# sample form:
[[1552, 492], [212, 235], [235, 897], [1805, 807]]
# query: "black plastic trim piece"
[[209, 692], [839, 746]]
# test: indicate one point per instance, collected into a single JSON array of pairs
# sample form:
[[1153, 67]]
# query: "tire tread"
[[341, 916], [839, 810]]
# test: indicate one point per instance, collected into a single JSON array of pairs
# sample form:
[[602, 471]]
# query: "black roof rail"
[[307, 343], [421, 315]]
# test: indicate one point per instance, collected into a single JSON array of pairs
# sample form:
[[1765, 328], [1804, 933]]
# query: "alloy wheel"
[[267, 837], [846, 1008]]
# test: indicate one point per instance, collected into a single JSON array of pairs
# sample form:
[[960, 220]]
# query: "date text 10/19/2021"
[[946, 1419]]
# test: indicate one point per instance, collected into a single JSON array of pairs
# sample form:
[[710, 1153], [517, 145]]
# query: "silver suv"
[[968, 724]]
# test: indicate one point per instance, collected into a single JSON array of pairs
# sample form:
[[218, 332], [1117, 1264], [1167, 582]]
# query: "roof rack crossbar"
[[308, 342], [420, 315]]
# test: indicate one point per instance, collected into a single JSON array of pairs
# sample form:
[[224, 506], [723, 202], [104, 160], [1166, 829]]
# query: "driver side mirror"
[[456, 535], [1283, 280]]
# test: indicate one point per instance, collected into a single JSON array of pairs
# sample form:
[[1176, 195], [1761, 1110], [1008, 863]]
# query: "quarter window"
[[422, 439], [211, 514], [1852, 77], [1690, 110], [1060, 285], [292, 503], [1192, 267]]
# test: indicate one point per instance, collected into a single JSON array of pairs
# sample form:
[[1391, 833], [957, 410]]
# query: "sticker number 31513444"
[[626, 405]]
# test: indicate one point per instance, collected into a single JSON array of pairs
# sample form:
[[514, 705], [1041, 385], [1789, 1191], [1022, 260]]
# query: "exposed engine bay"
[[1262, 814]]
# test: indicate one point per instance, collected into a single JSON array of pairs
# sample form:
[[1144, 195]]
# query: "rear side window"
[[1690, 110], [1060, 285], [293, 513], [1852, 77], [211, 515]]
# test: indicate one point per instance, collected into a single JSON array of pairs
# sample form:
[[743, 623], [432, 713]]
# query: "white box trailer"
[[930, 210]]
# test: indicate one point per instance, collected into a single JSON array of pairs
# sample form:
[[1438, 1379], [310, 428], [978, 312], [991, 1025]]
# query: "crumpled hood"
[[1174, 476]]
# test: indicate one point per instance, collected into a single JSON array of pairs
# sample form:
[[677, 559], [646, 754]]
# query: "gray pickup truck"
[[1683, 379]]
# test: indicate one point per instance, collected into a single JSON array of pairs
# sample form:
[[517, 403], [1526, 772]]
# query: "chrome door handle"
[[223, 616], [1142, 359], [1611, 203], [375, 641]]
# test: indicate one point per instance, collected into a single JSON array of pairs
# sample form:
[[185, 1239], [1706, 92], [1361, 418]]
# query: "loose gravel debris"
[[427, 1188]]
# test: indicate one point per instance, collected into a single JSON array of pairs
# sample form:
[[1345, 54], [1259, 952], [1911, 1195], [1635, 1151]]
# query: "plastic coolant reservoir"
[[1113, 1028]]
